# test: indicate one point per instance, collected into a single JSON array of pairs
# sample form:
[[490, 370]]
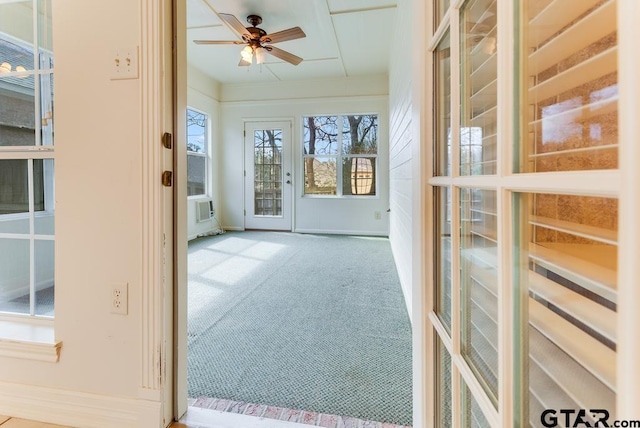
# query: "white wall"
[[401, 147], [203, 94], [291, 101]]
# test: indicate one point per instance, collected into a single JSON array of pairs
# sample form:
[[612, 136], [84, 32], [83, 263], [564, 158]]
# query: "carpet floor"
[[312, 322]]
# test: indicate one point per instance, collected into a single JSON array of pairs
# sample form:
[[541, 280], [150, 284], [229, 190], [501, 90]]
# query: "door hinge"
[[245, 132], [167, 140], [245, 212], [167, 178], [245, 172]]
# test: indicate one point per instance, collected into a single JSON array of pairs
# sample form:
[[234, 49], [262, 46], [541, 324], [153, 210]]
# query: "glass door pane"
[[268, 172], [472, 416], [566, 275], [442, 114], [442, 260], [443, 394], [479, 285], [570, 86], [479, 88]]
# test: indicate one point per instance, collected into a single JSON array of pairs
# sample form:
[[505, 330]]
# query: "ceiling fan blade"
[[235, 25], [218, 42], [284, 55], [284, 35], [244, 63]]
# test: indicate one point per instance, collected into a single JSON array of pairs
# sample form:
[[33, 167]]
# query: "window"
[[27, 206], [340, 155], [197, 152]]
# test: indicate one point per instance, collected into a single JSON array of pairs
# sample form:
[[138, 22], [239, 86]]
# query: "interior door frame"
[[179, 284], [290, 158]]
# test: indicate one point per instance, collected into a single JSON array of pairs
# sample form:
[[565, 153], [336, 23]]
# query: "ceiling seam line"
[[364, 9]]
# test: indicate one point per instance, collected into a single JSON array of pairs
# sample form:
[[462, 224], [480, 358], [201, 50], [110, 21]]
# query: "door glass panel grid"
[[567, 298], [268, 172], [570, 89], [479, 286], [479, 88]]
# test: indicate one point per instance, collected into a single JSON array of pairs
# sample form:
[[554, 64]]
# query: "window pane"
[[360, 134], [16, 20], [442, 112], [44, 220], [196, 175], [320, 135], [196, 132], [17, 111], [320, 176], [443, 367], [358, 176], [14, 186], [566, 272], [45, 38], [442, 268], [44, 262], [479, 285], [46, 109], [479, 90], [570, 87], [14, 275]]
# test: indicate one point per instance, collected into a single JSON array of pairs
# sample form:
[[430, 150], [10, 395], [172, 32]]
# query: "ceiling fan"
[[257, 41]]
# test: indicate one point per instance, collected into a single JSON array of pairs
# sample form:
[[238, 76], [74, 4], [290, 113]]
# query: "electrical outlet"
[[377, 215], [119, 298], [124, 63]]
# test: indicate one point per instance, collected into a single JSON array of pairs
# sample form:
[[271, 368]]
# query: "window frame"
[[43, 149], [206, 155], [32, 336], [339, 157]]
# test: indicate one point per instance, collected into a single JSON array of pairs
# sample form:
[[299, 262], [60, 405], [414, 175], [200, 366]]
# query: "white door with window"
[[268, 176]]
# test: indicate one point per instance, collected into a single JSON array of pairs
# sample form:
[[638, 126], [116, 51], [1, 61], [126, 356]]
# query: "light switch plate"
[[124, 63]]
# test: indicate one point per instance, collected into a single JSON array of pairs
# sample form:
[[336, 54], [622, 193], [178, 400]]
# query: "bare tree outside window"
[[340, 154]]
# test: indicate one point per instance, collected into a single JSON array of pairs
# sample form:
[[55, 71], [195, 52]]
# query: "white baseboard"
[[77, 409], [343, 232], [233, 228]]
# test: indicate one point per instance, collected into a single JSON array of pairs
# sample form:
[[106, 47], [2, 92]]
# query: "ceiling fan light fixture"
[[5, 67], [261, 54], [247, 54]]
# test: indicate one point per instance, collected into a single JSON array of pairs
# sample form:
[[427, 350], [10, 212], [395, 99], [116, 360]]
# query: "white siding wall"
[[401, 142]]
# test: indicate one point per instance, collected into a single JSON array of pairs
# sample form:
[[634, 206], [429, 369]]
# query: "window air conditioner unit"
[[204, 211]]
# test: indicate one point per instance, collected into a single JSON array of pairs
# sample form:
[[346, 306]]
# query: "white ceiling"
[[345, 38]]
